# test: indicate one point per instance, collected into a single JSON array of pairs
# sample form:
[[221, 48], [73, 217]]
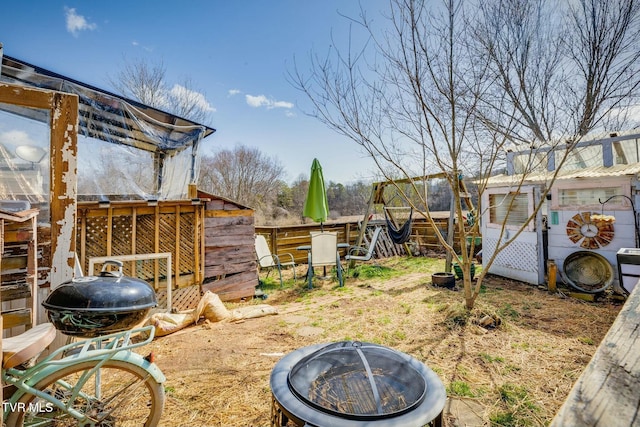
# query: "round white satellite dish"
[[30, 153]]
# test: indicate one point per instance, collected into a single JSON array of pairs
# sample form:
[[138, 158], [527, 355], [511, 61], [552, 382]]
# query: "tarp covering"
[[126, 150]]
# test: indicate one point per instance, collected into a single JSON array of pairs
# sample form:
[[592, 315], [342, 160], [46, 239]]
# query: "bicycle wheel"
[[127, 396]]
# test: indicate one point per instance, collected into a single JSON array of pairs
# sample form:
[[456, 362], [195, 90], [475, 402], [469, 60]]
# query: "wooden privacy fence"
[[285, 239]]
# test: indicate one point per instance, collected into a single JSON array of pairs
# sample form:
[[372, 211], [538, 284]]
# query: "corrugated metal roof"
[[586, 173]]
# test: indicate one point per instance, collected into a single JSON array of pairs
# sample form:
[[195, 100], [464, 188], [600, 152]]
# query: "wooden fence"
[[285, 239]]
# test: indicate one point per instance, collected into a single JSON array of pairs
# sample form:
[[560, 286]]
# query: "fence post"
[[274, 240]]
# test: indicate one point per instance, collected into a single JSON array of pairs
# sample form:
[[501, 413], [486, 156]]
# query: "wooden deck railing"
[[607, 394]]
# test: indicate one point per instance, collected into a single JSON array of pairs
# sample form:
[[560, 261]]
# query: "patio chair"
[[359, 253], [323, 253], [267, 260]]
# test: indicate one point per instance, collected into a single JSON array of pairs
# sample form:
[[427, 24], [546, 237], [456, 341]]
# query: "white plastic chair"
[[270, 261], [324, 252]]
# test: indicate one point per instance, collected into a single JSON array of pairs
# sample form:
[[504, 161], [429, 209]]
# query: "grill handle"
[[108, 273]]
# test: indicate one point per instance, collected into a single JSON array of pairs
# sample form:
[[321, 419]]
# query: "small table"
[[308, 247]]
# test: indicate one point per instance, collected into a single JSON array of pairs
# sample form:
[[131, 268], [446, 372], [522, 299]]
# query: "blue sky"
[[237, 53]]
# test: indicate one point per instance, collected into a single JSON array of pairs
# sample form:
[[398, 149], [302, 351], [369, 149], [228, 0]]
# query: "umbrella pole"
[[325, 267]]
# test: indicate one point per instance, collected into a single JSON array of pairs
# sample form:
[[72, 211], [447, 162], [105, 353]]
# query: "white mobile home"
[[587, 217]]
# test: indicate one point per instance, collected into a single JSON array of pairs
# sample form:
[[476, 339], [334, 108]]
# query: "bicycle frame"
[[115, 346]]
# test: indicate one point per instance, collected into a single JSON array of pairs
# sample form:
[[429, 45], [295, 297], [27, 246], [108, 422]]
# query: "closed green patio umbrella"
[[316, 206]]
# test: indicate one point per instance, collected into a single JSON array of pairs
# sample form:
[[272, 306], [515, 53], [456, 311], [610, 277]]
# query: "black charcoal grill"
[[97, 305], [354, 384]]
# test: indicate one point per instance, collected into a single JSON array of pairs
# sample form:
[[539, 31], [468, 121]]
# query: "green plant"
[[586, 340], [384, 320], [503, 419], [508, 311], [367, 271], [460, 388], [488, 358]]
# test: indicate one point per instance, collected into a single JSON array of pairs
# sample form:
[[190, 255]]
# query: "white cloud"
[[263, 101], [181, 92], [77, 23], [135, 43], [16, 137], [233, 92]]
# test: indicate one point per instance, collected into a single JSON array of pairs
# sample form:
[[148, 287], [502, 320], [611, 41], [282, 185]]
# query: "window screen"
[[512, 207]]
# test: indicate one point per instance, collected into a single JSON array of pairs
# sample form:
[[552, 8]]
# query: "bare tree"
[[243, 174], [146, 83], [447, 87]]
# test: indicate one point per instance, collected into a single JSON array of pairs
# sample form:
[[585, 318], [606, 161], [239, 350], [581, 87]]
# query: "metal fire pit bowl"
[[354, 384], [97, 305]]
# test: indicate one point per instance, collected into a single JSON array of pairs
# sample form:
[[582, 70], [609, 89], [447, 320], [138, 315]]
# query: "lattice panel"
[[145, 235], [121, 234], [154, 232], [96, 232], [181, 299], [518, 255]]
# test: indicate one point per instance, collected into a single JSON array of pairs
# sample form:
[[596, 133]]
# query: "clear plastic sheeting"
[[24, 159], [126, 150]]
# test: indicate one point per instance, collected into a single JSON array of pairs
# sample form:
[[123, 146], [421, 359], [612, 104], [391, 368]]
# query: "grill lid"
[[108, 292], [358, 380]]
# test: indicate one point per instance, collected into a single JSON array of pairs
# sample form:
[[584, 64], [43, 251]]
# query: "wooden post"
[[176, 266], [451, 231], [1, 251]]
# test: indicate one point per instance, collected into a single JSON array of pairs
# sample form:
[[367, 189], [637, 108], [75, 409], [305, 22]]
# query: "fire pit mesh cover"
[[360, 380]]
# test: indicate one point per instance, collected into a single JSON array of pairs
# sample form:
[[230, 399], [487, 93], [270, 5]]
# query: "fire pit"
[[351, 384]]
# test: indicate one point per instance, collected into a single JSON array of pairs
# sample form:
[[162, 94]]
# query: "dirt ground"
[[518, 373]]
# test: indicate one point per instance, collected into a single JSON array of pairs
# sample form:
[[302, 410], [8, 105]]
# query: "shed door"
[[506, 211]]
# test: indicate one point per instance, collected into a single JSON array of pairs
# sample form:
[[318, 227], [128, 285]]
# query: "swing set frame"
[[378, 198]]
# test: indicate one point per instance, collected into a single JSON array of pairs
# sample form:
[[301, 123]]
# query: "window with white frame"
[[575, 197], [571, 194], [509, 208]]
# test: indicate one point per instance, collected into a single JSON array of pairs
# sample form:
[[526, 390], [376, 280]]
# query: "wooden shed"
[[230, 267], [111, 177], [116, 179]]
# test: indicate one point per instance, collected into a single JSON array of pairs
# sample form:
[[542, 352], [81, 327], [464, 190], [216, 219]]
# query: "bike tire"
[[139, 404]]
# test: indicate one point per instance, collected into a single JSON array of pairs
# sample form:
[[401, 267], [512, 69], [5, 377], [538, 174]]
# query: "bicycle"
[[97, 382]]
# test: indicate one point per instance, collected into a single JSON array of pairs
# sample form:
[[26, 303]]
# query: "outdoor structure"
[[589, 210], [230, 265], [114, 178], [51, 189], [19, 266], [607, 393]]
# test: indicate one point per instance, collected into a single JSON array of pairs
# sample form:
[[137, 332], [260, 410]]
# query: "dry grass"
[[520, 372]]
